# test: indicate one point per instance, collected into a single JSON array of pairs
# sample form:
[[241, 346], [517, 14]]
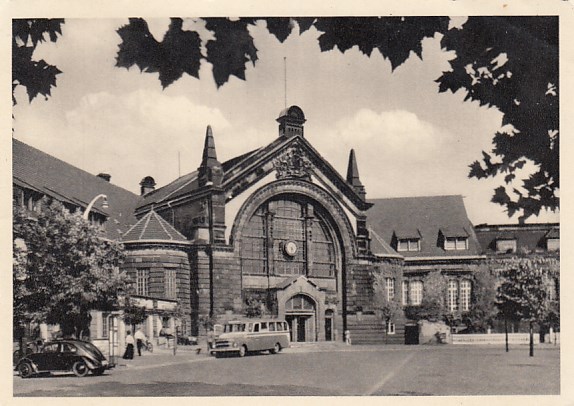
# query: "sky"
[[409, 139]]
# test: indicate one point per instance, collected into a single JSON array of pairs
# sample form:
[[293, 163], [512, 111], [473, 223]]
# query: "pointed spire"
[[353, 175], [210, 169]]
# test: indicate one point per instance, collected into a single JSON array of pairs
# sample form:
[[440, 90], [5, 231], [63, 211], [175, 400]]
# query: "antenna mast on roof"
[[285, 77]]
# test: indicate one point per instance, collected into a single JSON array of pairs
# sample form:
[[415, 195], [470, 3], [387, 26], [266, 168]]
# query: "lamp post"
[[94, 200]]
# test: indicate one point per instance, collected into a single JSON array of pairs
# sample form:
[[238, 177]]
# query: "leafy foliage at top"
[[510, 63], [63, 269], [38, 77]]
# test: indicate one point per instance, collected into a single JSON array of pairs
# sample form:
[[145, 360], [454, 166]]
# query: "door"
[[328, 329], [411, 334], [301, 324]]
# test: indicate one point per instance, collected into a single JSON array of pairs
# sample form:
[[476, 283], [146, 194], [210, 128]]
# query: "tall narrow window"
[[405, 293], [416, 293], [452, 295], [390, 288], [105, 325], [170, 284], [465, 291], [142, 282]]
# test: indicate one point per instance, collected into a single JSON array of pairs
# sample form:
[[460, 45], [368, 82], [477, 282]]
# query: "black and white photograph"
[[312, 203]]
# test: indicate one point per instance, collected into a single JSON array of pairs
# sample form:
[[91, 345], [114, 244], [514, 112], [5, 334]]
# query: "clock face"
[[290, 248]]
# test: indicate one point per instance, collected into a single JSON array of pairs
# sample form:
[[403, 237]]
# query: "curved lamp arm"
[[89, 208]]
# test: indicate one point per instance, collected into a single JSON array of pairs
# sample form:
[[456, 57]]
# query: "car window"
[[68, 348], [50, 348]]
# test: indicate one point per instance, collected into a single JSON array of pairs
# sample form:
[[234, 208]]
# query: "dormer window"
[[409, 244], [407, 240], [454, 238], [506, 245], [456, 243], [553, 240]]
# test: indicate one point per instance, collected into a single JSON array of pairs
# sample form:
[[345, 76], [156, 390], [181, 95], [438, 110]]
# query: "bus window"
[[279, 326], [272, 326], [256, 328], [285, 326], [263, 326], [250, 327]]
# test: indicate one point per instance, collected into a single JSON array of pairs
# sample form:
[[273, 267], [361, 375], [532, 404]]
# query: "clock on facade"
[[290, 248]]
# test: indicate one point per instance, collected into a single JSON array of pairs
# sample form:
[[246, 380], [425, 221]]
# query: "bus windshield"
[[234, 328]]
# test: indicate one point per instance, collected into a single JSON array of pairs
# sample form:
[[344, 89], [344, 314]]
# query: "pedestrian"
[[129, 354], [140, 340]]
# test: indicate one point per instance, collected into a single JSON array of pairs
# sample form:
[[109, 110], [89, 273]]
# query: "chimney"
[[291, 122], [147, 185], [105, 176]]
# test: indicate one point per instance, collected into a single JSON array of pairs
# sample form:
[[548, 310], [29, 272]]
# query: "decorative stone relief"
[[293, 164]]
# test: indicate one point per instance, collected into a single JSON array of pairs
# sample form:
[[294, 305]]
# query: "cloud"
[[392, 132]]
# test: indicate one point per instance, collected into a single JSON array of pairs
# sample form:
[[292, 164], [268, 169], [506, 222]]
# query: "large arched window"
[[288, 236]]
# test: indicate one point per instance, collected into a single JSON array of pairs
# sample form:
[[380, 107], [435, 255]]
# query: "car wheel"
[[98, 371], [242, 351], [276, 348], [25, 370], [80, 368]]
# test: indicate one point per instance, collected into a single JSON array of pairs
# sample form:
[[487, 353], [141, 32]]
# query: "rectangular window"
[[405, 293], [465, 291], [507, 246], [452, 296], [553, 244], [411, 244], [142, 282], [390, 288], [105, 326], [170, 283], [390, 328], [416, 295], [456, 243]]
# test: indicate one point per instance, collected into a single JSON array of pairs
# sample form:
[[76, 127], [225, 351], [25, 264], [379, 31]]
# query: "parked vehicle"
[[79, 357], [252, 335]]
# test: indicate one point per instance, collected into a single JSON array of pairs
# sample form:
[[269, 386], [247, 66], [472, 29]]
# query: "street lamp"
[[89, 208]]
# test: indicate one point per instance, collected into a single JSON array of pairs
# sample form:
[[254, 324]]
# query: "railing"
[[499, 338]]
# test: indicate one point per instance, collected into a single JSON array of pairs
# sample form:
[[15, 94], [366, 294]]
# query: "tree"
[[433, 305], [483, 300], [133, 314], [523, 292], [38, 77], [63, 268], [494, 65]]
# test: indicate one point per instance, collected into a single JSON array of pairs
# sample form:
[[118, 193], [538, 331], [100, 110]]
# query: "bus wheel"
[[276, 348], [242, 351]]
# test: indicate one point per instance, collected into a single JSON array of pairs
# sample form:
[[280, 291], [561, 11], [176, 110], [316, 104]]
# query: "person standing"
[[140, 340], [129, 354]]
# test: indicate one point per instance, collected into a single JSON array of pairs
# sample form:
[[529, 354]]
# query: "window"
[[142, 282], [553, 244], [452, 295], [405, 293], [272, 326], [105, 326], [465, 291], [256, 328], [552, 289], [170, 283], [416, 293], [506, 245], [390, 288], [410, 244], [456, 243], [390, 327]]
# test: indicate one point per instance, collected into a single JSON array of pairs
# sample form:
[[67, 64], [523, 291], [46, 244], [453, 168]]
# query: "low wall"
[[516, 338]]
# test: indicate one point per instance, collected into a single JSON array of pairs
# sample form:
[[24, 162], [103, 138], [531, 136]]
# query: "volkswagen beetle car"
[[79, 357]]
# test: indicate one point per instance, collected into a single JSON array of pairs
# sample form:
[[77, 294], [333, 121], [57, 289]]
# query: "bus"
[[252, 335]]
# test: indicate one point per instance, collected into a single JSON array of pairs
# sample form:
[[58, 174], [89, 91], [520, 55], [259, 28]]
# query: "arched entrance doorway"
[[300, 314]]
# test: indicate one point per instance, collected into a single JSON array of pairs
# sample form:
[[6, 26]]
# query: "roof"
[[424, 216], [153, 227], [36, 170], [529, 237], [234, 172]]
